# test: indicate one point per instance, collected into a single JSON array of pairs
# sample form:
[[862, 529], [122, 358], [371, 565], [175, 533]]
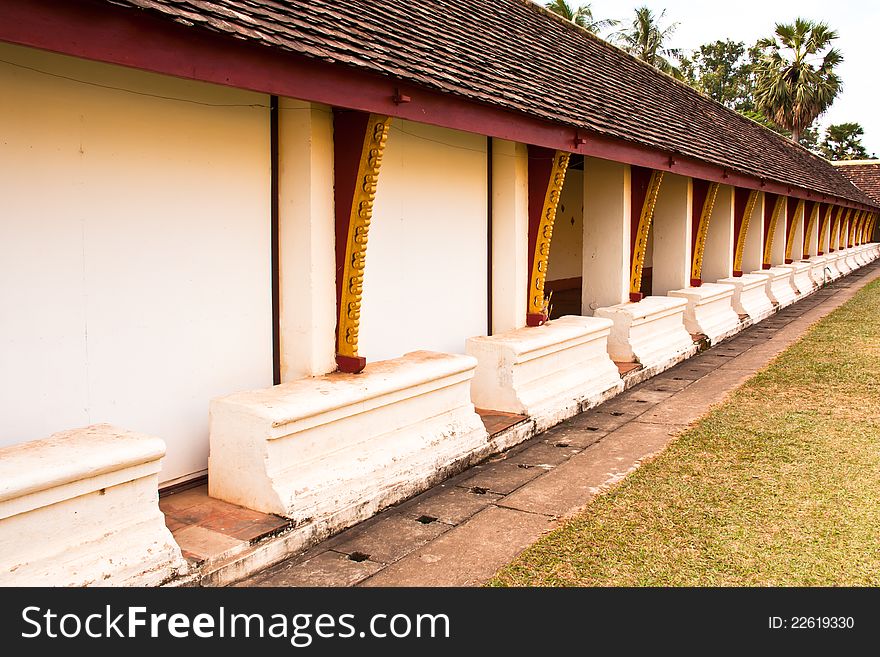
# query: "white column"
[[753, 251], [606, 252], [307, 236], [718, 255], [672, 234], [510, 234]]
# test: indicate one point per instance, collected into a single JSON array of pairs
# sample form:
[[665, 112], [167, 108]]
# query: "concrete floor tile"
[[651, 395], [667, 383], [449, 504], [600, 419], [469, 554], [576, 437], [326, 569], [501, 477], [391, 538], [574, 483], [547, 452]]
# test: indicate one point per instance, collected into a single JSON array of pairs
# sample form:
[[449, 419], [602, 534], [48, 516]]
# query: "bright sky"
[[855, 21]]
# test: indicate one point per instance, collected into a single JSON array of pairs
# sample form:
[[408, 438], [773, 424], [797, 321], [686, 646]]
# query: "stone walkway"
[[460, 532]]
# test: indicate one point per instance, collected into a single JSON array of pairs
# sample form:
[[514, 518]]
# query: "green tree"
[[645, 39], [810, 139], [721, 71], [582, 16], [843, 141], [789, 88]]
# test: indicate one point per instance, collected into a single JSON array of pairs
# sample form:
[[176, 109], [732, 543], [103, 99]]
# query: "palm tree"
[[582, 16], [645, 40], [789, 89]]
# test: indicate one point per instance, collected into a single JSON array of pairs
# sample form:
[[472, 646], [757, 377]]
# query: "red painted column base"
[[820, 253], [536, 319], [635, 297], [737, 273], [696, 282], [350, 364], [765, 266], [788, 261]]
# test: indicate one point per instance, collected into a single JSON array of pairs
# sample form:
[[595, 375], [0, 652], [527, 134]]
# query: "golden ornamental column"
[[547, 171], [645, 189], [359, 142], [702, 232]]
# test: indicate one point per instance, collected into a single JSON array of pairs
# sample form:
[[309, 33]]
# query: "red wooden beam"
[[144, 41]]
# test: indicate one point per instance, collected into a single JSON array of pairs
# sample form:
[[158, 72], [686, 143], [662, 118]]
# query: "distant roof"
[[864, 174], [516, 55]]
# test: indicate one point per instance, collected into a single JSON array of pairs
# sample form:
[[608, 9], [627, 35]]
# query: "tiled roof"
[[864, 174], [515, 55]]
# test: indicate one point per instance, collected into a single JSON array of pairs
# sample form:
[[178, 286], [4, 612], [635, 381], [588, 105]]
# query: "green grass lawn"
[[778, 486]]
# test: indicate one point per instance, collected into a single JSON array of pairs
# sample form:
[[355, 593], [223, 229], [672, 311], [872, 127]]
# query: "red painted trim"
[[808, 212], [740, 202], [563, 284], [791, 204], [769, 206], [540, 168], [701, 192], [349, 131], [737, 273], [635, 297], [350, 364], [696, 282], [535, 319], [788, 261], [140, 40], [640, 178]]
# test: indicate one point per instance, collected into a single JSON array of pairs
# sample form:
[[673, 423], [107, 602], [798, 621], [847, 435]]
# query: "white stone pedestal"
[[709, 310], [862, 255], [548, 372], [821, 270], [81, 508], [780, 288], [801, 280], [831, 263], [840, 263], [750, 296], [650, 332], [850, 259], [335, 449]]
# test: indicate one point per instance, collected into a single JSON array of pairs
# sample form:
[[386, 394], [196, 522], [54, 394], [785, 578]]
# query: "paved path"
[[460, 532]]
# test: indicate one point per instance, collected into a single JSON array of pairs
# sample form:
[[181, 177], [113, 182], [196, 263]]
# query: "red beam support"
[[140, 40]]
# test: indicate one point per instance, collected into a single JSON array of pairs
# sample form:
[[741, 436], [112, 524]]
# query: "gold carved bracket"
[[744, 231], [789, 241], [823, 228], [771, 230], [703, 233], [644, 229], [537, 313], [375, 138], [808, 230]]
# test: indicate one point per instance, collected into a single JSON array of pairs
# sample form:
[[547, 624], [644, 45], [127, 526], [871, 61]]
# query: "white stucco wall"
[[566, 248], [425, 282], [134, 252], [606, 260]]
